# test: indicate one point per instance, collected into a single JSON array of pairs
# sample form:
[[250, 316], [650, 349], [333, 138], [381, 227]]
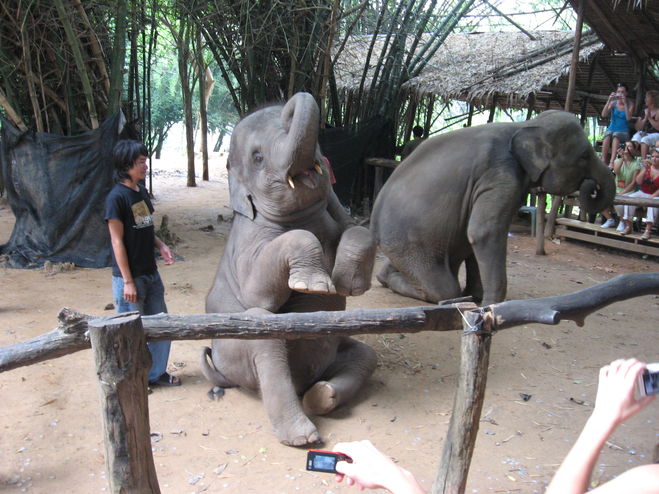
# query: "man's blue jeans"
[[150, 300]]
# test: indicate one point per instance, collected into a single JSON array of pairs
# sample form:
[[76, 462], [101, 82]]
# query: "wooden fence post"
[[463, 427], [122, 364], [540, 225]]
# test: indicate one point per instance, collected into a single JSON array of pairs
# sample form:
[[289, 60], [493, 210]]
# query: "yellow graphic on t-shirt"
[[142, 215]]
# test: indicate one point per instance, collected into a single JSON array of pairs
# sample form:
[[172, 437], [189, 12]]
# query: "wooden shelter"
[[507, 70], [625, 26]]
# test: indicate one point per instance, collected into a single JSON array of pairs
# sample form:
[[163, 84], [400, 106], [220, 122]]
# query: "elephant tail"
[[210, 372]]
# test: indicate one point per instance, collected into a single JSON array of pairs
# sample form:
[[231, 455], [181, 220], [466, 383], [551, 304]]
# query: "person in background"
[[625, 168], [414, 143], [648, 180], [616, 402], [647, 127], [136, 283], [621, 108]]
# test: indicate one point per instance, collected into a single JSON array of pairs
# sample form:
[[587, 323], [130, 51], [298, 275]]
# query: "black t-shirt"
[[134, 210]]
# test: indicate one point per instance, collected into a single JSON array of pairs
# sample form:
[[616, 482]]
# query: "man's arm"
[[165, 251], [116, 228]]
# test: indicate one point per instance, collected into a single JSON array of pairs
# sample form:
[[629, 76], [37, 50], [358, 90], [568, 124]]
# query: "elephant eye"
[[257, 157]]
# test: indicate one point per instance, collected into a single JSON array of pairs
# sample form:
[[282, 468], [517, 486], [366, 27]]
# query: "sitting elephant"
[[292, 248], [453, 199]]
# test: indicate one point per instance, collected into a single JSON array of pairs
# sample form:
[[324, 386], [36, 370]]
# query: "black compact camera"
[[648, 382], [319, 460]]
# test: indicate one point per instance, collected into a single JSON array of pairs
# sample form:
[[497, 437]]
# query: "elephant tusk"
[[290, 182], [318, 169]]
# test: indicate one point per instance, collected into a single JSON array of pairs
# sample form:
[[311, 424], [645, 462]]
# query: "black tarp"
[[56, 187], [346, 148]]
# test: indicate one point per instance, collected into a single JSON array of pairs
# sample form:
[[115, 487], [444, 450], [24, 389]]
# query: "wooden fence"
[[121, 360]]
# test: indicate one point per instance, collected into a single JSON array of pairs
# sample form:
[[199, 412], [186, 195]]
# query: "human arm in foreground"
[[370, 469], [614, 404]]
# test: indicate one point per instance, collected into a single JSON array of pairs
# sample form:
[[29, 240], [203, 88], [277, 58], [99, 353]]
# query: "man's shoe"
[[610, 223]]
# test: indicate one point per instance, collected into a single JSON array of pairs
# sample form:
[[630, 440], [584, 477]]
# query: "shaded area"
[[56, 188], [346, 148]]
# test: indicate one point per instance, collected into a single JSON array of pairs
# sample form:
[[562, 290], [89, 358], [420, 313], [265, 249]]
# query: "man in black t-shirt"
[[136, 283]]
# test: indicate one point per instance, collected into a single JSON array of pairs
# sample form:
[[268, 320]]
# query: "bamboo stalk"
[[74, 44]]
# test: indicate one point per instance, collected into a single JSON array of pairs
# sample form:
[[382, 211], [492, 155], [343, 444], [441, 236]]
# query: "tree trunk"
[[183, 39], [204, 92], [118, 58]]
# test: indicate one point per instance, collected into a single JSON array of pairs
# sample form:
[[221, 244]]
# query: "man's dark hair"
[[124, 154], [417, 131]]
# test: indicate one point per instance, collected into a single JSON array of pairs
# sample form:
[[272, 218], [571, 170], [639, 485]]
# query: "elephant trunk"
[[300, 119], [597, 192]]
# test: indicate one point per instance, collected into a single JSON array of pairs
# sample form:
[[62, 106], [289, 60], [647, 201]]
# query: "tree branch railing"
[[126, 419]]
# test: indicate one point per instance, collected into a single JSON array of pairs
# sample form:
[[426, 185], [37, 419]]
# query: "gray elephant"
[[292, 248], [453, 199]]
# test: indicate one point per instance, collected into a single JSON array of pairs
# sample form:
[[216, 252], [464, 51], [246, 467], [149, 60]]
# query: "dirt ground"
[[50, 428]]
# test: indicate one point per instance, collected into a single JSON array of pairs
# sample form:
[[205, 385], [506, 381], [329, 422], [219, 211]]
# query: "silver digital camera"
[[648, 382]]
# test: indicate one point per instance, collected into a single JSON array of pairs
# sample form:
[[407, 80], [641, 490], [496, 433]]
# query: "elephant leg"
[[292, 261], [354, 364], [281, 402], [353, 265], [488, 234], [434, 277], [390, 277], [473, 285]]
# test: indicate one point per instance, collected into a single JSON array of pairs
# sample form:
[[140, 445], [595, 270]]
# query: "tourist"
[[648, 180], [616, 402], [647, 127], [621, 108], [136, 283]]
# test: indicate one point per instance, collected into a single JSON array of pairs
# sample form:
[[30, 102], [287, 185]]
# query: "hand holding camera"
[[617, 398]]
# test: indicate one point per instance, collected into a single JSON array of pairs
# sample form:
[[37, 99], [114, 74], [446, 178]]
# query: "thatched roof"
[[508, 66], [628, 26]]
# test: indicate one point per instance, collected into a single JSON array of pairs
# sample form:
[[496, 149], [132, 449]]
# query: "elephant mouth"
[[309, 177]]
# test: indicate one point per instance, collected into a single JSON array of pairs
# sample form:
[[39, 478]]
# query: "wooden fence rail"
[[122, 360]]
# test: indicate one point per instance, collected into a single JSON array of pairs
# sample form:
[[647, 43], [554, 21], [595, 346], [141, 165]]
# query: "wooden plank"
[[383, 162], [629, 244]]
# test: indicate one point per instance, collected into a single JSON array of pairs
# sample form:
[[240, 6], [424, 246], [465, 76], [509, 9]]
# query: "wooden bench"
[[567, 227]]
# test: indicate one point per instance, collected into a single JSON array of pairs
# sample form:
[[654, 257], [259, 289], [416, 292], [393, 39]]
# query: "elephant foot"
[[310, 280], [320, 399], [215, 393], [300, 432]]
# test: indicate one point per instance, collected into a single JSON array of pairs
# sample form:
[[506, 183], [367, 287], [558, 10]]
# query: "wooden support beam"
[[540, 225], [122, 364], [572, 80], [463, 428]]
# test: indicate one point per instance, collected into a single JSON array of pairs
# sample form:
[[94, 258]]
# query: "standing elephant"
[[292, 248], [453, 199]]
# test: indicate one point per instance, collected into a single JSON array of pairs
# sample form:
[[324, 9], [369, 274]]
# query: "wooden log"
[[540, 225], [463, 428], [71, 338], [641, 202], [122, 364], [68, 339], [574, 306]]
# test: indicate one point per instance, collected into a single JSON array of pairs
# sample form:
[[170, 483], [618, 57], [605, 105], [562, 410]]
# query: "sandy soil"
[[50, 425]]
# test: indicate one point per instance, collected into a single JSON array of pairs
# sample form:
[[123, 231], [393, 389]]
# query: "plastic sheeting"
[[346, 149], [56, 187]]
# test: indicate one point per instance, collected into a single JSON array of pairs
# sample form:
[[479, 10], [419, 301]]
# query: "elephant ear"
[[240, 199], [530, 147]]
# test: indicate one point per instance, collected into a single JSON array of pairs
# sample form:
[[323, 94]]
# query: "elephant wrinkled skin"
[[292, 248], [453, 199]]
